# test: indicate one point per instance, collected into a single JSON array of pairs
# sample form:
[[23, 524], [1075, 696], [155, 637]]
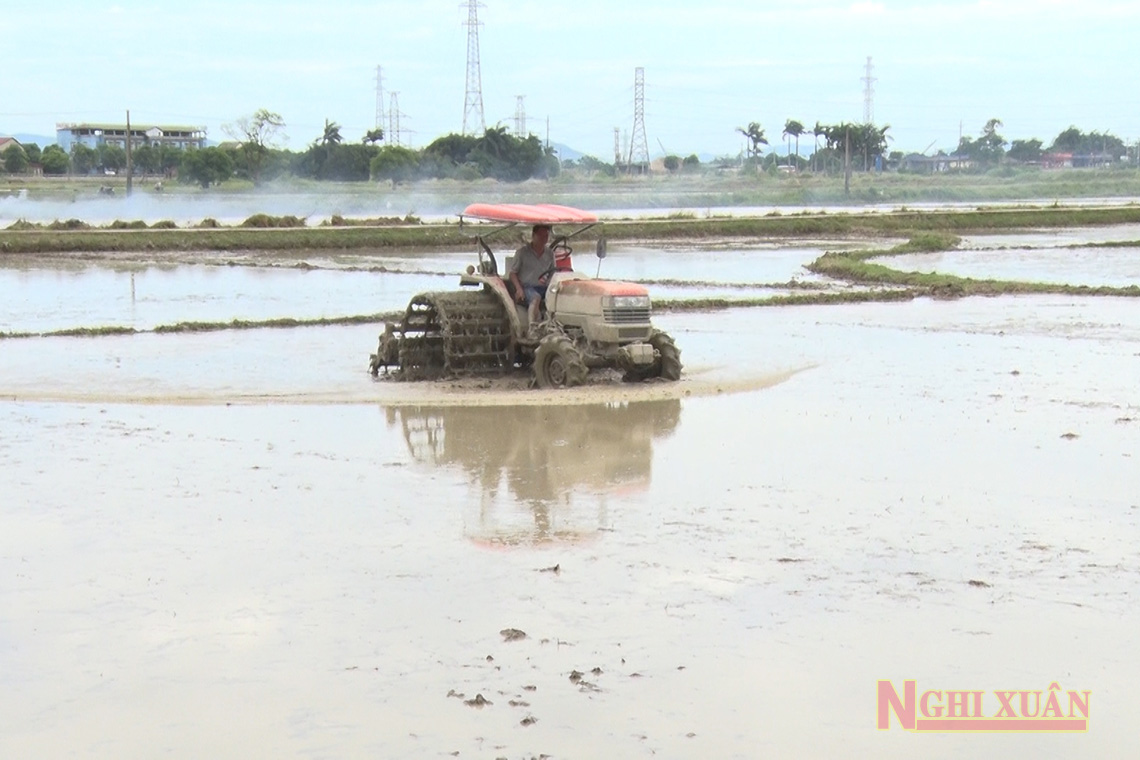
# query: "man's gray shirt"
[[530, 267]]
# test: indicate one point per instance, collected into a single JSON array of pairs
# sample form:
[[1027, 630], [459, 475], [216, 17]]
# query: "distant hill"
[[565, 152]]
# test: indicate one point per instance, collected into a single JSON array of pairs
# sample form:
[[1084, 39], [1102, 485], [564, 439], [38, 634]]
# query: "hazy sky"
[[1037, 65]]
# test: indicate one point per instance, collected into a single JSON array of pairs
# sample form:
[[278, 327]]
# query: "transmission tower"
[[381, 117], [473, 100], [869, 95], [520, 117], [394, 120], [639, 144], [617, 148]]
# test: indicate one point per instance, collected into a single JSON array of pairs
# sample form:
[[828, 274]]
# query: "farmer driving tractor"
[[531, 269]]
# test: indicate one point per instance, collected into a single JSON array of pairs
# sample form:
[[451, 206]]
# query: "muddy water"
[[43, 297], [239, 544], [47, 300], [1117, 267], [1054, 256]]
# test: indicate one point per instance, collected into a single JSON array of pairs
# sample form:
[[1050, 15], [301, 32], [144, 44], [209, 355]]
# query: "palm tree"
[[332, 133], [793, 128], [755, 135], [816, 131], [496, 141], [373, 136]]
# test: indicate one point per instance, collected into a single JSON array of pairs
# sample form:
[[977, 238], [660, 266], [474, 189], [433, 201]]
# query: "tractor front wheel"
[[666, 365], [558, 364]]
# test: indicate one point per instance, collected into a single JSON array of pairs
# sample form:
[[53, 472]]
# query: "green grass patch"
[[89, 332], [69, 224], [795, 299], [267, 221], [282, 322], [336, 220]]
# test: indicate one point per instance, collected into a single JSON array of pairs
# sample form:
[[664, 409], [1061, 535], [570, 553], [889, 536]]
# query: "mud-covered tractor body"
[[480, 329]]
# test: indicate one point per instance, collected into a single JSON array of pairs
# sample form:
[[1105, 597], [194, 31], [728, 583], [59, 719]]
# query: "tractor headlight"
[[626, 302]]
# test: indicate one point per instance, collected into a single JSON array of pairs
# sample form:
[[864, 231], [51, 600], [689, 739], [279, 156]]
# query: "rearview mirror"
[[601, 248]]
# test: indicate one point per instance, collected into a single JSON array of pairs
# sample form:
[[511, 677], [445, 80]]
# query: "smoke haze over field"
[[942, 69], [226, 209]]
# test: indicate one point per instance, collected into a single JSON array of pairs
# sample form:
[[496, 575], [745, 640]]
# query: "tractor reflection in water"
[[544, 473]]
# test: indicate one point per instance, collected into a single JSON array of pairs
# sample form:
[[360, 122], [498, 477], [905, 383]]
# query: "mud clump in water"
[[478, 702]]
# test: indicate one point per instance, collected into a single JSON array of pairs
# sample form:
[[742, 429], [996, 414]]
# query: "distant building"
[[94, 135], [8, 142], [920, 164]]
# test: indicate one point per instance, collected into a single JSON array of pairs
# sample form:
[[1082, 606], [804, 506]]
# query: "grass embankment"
[[856, 267], [273, 234]]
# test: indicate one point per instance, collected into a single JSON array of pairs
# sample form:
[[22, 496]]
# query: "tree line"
[[254, 154], [1081, 148], [865, 147]]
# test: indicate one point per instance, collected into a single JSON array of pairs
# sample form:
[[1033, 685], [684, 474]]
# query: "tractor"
[[585, 324]]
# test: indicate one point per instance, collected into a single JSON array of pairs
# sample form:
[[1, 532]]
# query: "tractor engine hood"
[[606, 311], [596, 288]]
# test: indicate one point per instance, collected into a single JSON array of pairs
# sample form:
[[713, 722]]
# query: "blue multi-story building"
[[94, 135]]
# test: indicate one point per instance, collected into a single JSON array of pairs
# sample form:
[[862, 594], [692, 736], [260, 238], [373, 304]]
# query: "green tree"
[[672, 163], [112, 157], [1069, 141], [1025, 151], [146, 159], [793, 128], [592, 165], [1094, 144], [373, 136], [83, 159], [988, 149], [206, 166], [15, 160], [54, 160], [445, 155], [992, 145], [755, 134], [257, 135], [865, 140], [394, 163], [348, 163], [691, 163], [169, 158], [331, 135], [33, 152], [816, 132]]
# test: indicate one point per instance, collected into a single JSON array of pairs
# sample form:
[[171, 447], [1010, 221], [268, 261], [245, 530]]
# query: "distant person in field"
[[530, 270]]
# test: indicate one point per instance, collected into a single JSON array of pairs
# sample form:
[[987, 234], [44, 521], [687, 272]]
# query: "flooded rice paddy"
[[238, 543]]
